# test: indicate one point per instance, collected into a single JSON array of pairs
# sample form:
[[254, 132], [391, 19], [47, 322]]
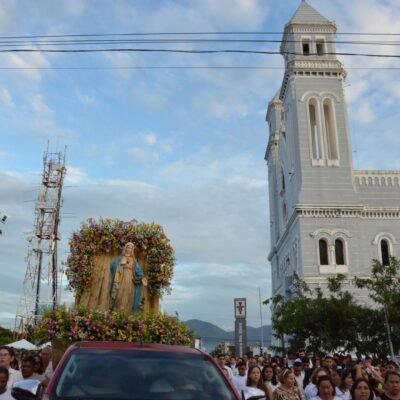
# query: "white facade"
[[325, 217]]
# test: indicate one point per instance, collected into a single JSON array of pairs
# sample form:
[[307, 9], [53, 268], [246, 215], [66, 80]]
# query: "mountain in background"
[[211, 335]]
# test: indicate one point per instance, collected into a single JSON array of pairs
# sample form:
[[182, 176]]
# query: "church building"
[[325, 217]]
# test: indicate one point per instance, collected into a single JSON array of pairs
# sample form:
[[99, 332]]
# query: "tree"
[[6, 336], [325, 323], [384, 288]]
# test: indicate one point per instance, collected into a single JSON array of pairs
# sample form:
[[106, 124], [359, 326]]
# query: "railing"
[[377, 178]]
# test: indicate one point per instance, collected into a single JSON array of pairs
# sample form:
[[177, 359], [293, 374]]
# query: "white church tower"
[[325, 218]]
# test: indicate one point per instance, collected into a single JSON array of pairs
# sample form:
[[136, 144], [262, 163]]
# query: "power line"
[[148, 67], [182, 41], [187, 33], [221, 51]]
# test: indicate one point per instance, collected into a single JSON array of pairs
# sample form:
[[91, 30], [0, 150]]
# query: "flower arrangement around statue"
[[66, 327], [105, 255]]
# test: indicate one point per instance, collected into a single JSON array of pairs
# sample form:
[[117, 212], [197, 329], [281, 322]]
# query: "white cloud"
[[75, 176], [150, 139], [167, 147], [211, 284], [5, 98], [28, 64], [365, 113], [247, 182], [85, 98], [154, 101], [48, 128], [75, 8], [143, 155], [134, 186], [40, 106], [6, 17]]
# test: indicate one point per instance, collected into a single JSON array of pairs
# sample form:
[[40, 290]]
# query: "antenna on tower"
[[42, 258]]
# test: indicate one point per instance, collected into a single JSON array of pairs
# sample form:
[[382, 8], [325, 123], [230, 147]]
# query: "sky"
[[183, 147]]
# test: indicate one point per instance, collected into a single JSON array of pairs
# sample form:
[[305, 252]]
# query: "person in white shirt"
[[27, 372], [239, 381], [270, 378], [6, 358], [311, 390], [325, 389], [222, 363], [45, 355], [233, 365], [5, 394], [346, 383], [299, 374]]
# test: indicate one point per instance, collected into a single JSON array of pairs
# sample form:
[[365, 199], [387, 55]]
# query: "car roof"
[[146, 347]]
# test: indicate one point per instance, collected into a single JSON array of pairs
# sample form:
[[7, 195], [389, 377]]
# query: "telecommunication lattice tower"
[[40, 287]]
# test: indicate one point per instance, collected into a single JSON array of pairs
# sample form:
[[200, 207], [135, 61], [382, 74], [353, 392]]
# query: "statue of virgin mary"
[[127, 281]]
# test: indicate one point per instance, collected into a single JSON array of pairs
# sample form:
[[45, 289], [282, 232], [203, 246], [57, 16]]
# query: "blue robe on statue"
[[117, 269]]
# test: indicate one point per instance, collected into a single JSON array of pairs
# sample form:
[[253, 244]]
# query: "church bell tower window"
[[320, 47], [306, 47], [330, 130], [385, 252], [323, 252], [339, 252], [315, 133]]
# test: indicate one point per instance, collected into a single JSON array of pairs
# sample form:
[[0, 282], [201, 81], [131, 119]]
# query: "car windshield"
[[140, 375]]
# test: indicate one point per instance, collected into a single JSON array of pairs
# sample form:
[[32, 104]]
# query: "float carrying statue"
[[127, 281], [118, 265]]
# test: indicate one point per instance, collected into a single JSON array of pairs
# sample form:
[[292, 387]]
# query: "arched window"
[[339, 252], [320, 47], [314, 130], [323, 252], [385, 253], [330, 131]]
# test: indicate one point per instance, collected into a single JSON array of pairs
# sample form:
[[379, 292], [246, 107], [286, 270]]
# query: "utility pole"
[[42, 245], [261, 321], [388, 330]]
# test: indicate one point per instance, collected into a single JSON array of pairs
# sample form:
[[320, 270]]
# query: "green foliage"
[[6, 336], [323, 323], [217, 351], [384, 283], [384, 288]]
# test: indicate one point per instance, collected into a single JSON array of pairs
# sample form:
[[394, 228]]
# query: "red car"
[[122, 371]]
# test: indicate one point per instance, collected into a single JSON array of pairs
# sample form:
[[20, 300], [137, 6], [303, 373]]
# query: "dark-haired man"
[[222, 363], [239, 381], [27, 371], [392, 386]]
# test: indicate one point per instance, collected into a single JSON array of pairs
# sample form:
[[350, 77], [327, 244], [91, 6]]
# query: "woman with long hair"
[[326, 389], [269, 376], [311, 390], [287, 390], [256, 381], [361, 390], [346, 383]]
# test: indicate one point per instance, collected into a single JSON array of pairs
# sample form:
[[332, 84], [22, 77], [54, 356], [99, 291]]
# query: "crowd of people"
[[19, 365], [333, 377]]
